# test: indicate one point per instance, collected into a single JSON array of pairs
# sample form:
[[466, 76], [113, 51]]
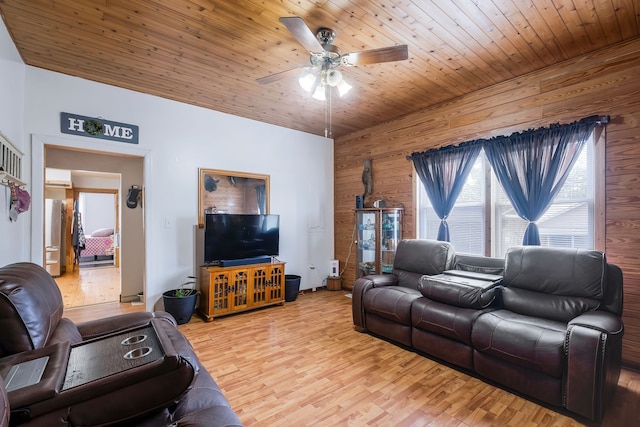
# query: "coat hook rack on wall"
[[10, 163], [6, 179]]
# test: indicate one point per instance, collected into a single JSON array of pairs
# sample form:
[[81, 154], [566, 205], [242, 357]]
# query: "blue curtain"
[[532, 166], [443, 173], [262, 198]]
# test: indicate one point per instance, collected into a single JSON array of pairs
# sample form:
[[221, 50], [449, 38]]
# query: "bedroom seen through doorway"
[[92, 274]]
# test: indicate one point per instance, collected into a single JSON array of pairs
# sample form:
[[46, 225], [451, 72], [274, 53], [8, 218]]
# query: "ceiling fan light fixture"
[[307, 81], [319, 93], [343, 88], [324, 58], [334, 77]]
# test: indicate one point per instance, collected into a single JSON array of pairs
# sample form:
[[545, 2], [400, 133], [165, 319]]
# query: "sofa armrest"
[[109, 325], [203, 405], [599, 320], [378, 280], [101, 389], [360, 287], [52, 377], [593, 347]]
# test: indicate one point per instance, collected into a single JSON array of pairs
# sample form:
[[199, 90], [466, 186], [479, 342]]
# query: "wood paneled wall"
[[234, 197], [606, 82]]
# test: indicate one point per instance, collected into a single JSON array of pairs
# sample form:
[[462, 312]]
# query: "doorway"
[[125, 277], [87, 269]]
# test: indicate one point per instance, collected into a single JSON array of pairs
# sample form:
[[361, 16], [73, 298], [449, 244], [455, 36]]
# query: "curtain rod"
[[599, 120]]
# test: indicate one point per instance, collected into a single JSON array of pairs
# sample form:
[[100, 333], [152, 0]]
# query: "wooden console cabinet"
[[227, 290]]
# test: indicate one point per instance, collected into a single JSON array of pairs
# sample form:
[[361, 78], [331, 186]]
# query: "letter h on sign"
[[76, 124]]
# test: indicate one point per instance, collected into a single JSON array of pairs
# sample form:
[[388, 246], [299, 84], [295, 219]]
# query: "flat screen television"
[[230, 237]]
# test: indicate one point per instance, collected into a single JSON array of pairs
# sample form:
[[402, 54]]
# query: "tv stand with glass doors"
[[233, 289]]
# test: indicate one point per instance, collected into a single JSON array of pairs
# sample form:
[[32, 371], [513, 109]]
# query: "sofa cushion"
[[559, 283], [391, 302], [479, 264], [557, 271], [546, 306], [417, 257], [443, 319], [530, 342], [459, 290]]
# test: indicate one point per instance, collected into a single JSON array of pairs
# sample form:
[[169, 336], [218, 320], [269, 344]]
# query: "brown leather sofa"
[[552, 331], [169, 389], [4, 406]]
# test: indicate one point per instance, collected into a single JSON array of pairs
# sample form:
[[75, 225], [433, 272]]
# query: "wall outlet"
[[334, 267]]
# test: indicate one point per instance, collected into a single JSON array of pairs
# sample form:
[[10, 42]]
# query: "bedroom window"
[[484, 222]]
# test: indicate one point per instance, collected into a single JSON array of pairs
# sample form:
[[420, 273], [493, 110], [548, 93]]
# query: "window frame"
[[599, 197]]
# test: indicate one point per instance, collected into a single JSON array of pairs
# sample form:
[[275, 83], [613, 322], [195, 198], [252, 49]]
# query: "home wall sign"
[[93, 127]]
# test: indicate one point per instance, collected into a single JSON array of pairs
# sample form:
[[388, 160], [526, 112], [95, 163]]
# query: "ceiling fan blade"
[[375, 56], [301, 31], [281, 75]]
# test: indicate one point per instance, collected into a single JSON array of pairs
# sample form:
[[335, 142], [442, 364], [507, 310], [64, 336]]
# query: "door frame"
[[38, 144]]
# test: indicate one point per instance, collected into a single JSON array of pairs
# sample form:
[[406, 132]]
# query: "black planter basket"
[[180, 307]]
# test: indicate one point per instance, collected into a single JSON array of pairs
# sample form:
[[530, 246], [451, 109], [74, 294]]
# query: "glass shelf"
[[378, 232]]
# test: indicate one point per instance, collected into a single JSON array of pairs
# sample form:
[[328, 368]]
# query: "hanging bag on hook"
[[133, 196], [13, 212], [23, 200]]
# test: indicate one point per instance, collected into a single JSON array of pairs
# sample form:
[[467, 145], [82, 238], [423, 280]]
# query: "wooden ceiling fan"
[[324, 56]]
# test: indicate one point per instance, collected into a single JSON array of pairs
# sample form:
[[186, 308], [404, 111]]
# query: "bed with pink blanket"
[[98, 244]]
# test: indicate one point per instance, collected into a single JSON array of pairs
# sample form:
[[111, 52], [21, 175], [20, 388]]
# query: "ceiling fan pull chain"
[[327, 112], [330, 116]]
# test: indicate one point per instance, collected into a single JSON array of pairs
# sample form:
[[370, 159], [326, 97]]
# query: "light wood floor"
[[303, 365], [89, 286]]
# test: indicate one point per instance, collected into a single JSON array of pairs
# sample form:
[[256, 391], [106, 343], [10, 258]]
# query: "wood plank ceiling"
[[210, 52]]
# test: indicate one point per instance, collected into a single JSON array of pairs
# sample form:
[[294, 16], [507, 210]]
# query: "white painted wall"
[[14, 236], [98, 211], [176, 140]]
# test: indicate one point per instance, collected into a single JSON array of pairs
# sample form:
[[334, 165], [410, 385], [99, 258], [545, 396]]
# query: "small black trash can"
[[291, 287]]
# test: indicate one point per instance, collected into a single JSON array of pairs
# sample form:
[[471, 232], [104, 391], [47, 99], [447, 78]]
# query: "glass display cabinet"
[[379, 230]]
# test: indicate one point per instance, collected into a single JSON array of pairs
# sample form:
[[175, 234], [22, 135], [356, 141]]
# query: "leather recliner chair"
[[383, 305], [171, 390]]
